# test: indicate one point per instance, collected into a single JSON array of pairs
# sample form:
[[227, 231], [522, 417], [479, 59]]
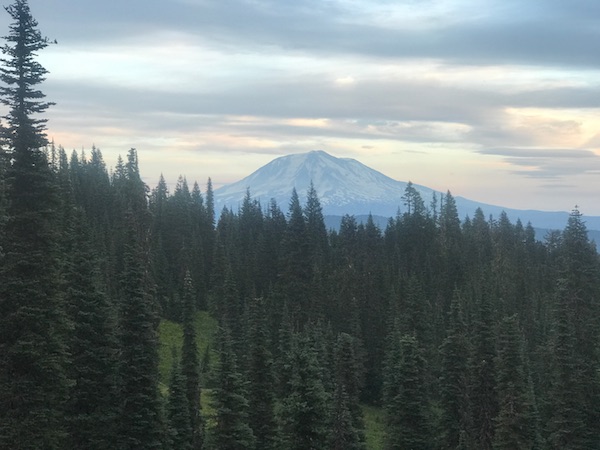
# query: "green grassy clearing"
[[171, 336], [374, 427]]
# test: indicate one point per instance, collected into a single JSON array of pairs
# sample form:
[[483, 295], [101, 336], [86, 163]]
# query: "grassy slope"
[[374, 427], [171, 335]]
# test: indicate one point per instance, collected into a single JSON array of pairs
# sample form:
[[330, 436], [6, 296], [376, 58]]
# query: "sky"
[[495, 100]]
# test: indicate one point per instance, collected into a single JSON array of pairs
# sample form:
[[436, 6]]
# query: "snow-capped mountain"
[[346, 186]]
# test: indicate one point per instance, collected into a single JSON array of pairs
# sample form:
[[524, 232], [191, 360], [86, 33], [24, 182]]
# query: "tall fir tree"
[[407, 403], [347, 429], [33, 383], [304, 412], [190, 366], [296, 269], [93, 405], [566, 427], [517, 421], [454, 381], [574, 422], [482, 386], [261, 378], [230, 429], [316, 232], [180, 434], [140, 418]]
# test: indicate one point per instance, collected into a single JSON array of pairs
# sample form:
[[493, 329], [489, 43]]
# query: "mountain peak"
[[344, 185]]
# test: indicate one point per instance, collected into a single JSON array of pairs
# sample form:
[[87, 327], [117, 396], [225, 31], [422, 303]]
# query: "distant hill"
[[346, 186]]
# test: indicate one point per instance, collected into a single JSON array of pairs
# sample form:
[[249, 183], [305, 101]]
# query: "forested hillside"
[[470, 334]]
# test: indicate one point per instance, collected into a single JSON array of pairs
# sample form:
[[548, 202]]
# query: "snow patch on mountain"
[[344, 185]]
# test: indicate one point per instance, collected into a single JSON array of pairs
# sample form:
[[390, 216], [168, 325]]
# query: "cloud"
[[539, 153], [547, 163], [511, 86], [536, 33]]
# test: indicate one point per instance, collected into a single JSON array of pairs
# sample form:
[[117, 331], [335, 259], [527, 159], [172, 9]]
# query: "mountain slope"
[[346, 186]]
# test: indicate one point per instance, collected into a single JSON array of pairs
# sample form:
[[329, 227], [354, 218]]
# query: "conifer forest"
[[437, 332]]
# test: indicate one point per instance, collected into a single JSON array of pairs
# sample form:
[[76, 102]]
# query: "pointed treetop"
[[20, 73]]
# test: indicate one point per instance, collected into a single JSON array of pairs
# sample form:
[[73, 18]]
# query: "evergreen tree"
[[93, 405], [210, 203], [575, 413], [33, 384], [140, 420], [296, 269], [484, 402], [413, 201], [180, 425], [415, 318], [454, 379], [315, 229], [271, 249], [451, 246], [304, 410], [189, 363], [516, 423], [21, 74], [158, 246], [249, 241], [347, 421], [567, 425], [344, 435], [261, 378], [230, 430], [407, 403]]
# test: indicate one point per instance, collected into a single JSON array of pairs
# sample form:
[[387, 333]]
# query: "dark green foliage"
[[261, 379], [451, 243], [33, 383], [231, 429], [21, 74], [517, 421], [406, 398], [179, 422], [315, 229], [483, 393], [413, 201], [454, 381], [304, 412], [347, 430], [344, 435], [140, 421], [190, 367], [296, 269], [575, 396], [93, 406], [249, 242], [415, 318]]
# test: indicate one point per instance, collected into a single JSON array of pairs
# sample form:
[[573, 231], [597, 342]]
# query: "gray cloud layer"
[[551, 32], [553, 39]]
